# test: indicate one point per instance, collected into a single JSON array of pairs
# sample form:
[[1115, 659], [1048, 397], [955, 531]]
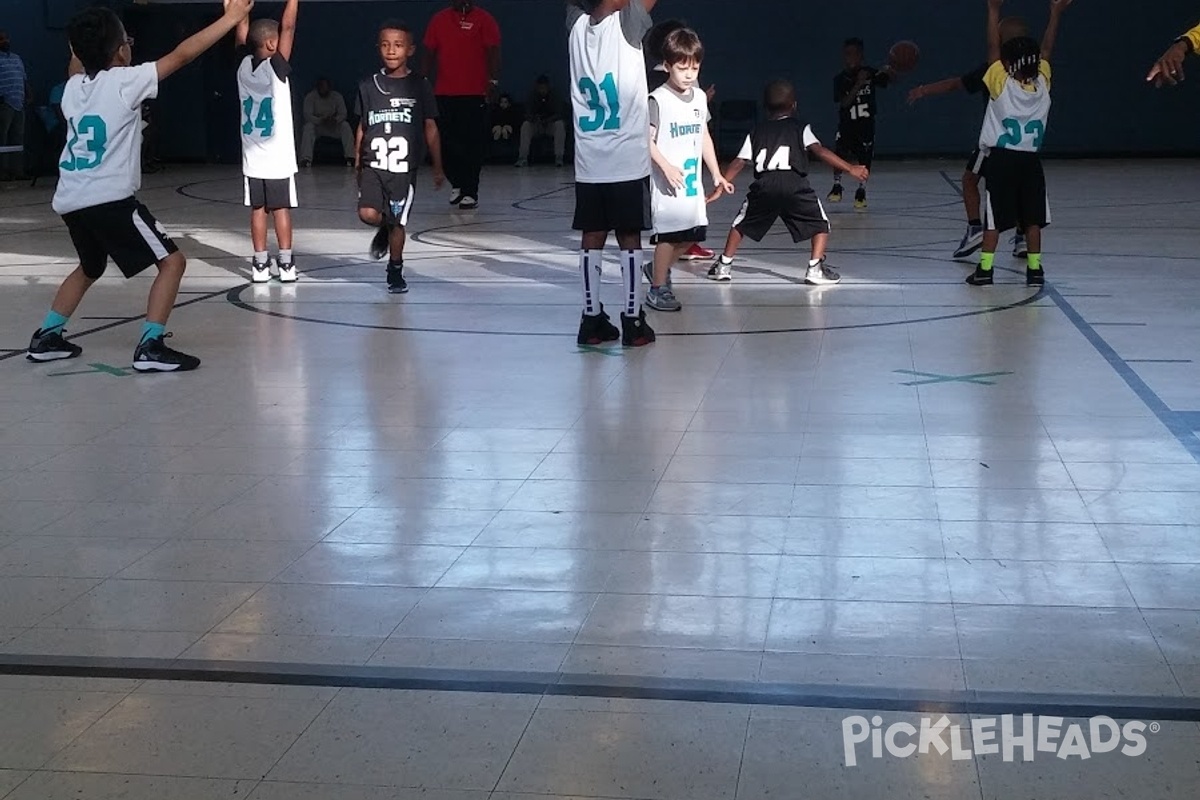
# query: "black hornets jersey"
[[394, 111], [778, 149], [861, 108]]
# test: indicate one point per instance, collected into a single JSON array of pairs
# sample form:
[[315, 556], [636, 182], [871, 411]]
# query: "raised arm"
[[1057, 7], [831, 158], [287, 29], [75, 67], [945, 86], [192, 47], [243, 32], [993, 30]]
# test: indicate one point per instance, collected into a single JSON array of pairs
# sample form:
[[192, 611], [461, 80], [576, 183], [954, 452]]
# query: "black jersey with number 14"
[[394, 111]]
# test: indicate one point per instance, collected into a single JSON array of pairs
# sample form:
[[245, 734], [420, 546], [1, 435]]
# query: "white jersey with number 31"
[[609, 98]]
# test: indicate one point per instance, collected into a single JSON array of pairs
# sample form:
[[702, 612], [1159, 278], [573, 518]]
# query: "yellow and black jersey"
[[1018, 112]]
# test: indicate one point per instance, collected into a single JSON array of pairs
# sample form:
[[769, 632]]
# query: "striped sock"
[[590, 267], [1035, 261], [631, 280], [986, 260], [54, 322]]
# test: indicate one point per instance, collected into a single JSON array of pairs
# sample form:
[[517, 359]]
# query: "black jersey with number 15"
[[394, 111]]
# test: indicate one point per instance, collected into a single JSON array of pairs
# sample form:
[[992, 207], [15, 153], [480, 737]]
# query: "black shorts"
[[389, 193], [856, 144], [977, 162], [1016, 191], [617, 207], [268, 193], [690, 236], [124, 231], [800, 210]]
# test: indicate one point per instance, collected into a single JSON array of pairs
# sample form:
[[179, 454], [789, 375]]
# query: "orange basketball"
[[904, 56]]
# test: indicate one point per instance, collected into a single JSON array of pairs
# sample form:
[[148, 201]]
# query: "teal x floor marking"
[[604, 351], [981, 378], [96, 369]]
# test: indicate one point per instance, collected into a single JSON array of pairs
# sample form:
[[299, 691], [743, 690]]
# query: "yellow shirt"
[[1193, 36], [997, 76]]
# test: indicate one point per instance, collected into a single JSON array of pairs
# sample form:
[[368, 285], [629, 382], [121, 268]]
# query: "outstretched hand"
[[238, 9], [915, 94], [859, 173], [1169, 67]]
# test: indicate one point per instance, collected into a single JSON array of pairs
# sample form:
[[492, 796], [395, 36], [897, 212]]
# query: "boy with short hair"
[[1018, 112], [610, 100], [779, 149], [268, 140], [100, 173], [854, 92], [972, 83], [680, 144], [397, 127]]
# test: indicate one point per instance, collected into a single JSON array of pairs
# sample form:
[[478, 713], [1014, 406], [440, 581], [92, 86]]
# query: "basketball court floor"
[[426, 546]]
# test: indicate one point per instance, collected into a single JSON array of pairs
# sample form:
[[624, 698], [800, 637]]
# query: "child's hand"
[[674, 176], [439, 177], [238, 9], [723, 186], [860, 173], [1059, 6], [711, 92], [916, 94]]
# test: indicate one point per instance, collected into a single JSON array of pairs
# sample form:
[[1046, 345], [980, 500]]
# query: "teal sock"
[[152, 330], [54, 322]]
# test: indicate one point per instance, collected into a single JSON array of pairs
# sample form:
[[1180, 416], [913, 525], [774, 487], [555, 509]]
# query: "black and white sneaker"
[[1035, 277], [456, 196], [821, 274], [287, 272], [721, 270], [395, 279], [153, 355], [260, 272], [971, 242], [468, 203], [51, 346], [381, 243], [980, 277], [596, 329]]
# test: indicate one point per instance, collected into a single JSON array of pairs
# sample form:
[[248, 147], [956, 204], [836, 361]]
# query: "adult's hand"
[[1169, 67]]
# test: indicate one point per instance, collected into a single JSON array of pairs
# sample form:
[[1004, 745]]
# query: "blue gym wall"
[[1102, 105]]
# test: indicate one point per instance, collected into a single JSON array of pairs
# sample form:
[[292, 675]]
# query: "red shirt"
[[460, 43]]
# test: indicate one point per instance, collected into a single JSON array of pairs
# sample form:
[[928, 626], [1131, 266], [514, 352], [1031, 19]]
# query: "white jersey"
[[1018, 113], [268, 141], [609, 95], [679, 125], [102, 160]]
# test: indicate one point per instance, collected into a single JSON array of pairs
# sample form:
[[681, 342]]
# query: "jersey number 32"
[[391, 155]]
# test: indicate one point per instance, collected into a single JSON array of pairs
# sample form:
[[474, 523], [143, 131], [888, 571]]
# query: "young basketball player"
[[100, 173], [398, 125], [854, 92], [1018, 112], [972, 83], [609, 98], [779, 149], [268, 140], [680, 145]]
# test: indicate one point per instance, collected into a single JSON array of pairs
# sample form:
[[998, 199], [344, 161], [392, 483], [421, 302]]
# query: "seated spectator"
[[543, 117], [504, 119], [325, 118]]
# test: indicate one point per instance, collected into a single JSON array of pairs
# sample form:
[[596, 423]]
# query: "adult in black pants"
[[462, 57]]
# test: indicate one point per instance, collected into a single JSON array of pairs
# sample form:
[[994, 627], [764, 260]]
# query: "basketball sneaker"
[[835, 194], [661, 298], [381, 243], [153, 355], [596, 329], [648, 274], [51, 347], [721, 270], [260, 272], [1020, 247], [456, 196], [287, 272], [395, 279], [1035, 277], [634, 330], [468, 203], [980, 277], [971, 242], [860, 198], [697, 252], [821, 274]]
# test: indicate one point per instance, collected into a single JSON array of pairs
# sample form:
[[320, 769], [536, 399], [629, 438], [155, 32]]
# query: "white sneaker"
[[287, 273], [720, 271], [455, 196], [972, 240], [821, 275], [1020, 246], [467, 203], [260, 273]]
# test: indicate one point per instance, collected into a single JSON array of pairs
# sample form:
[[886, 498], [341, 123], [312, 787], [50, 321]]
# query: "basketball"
[[904, 56]]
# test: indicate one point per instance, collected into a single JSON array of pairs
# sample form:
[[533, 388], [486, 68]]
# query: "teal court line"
[[980, 378], [96, 369], [604, 351]]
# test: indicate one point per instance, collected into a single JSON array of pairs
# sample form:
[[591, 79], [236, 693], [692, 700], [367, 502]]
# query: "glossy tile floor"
[[892, 491]]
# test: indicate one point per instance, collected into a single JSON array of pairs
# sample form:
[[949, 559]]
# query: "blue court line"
[[1158, 361], [1117, 324], [1180, 424], [1190, 418], [556, 684]]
